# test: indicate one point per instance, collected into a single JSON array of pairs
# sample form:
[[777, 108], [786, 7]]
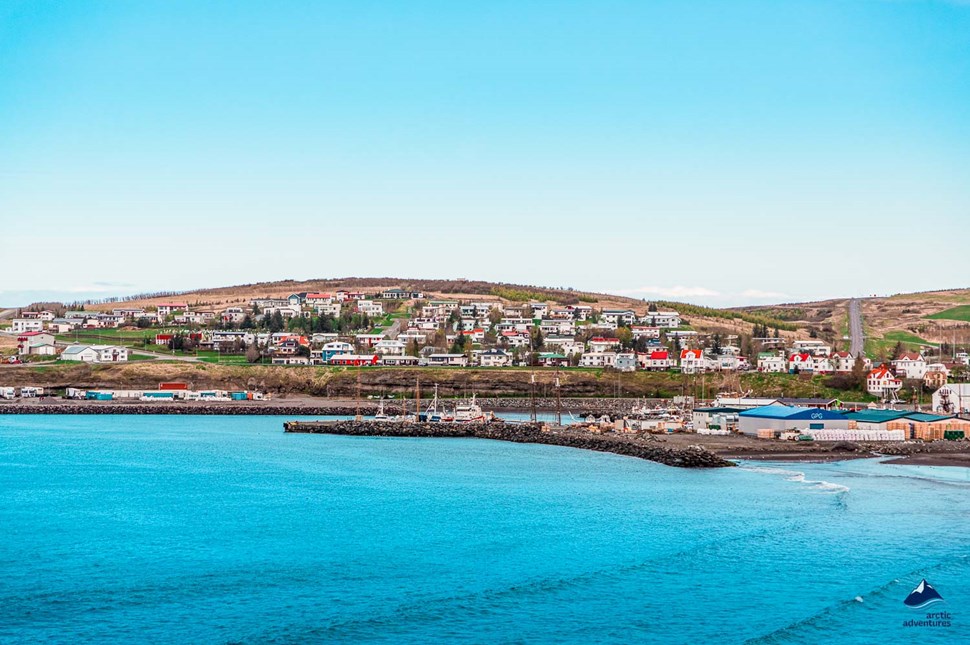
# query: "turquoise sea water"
[[202, 529]]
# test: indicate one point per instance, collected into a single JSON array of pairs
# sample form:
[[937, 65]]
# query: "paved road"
[[856, 335]]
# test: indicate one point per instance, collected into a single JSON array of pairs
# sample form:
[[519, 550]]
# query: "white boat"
[[469, 412]]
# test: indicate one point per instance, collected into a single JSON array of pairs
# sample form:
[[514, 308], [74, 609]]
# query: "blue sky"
[[717, 152]]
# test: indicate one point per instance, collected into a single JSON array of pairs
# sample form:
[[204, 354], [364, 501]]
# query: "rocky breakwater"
[[632, 446]]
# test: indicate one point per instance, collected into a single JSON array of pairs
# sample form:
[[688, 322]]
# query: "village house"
[[581, 312], [552, 359], [515, 324], [286, 311], [910, 365], [657, 360], [558, 327], [233, 315], [289, 359], [399, 361], [36, 343], [131, 313], [317, 299], [802, 362], [811, 346], [845, 362], [328, 309], [474, 335], [772, 363], [936, 375], [26, 325], [600, 344], [642, 331], [882, 382], [401, 294], [413, 336], [95, 354], [333, 348], [263, 303], [354, 360], [539, 309], [598, 359], [368, 340], [494, 358], [448, 360], [666, 319], [514, 339], [693, 361], [370, 307], [618, 317], [167, 308], [62, 325], [626, 362], [387, 346]]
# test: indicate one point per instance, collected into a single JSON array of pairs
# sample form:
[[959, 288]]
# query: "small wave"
[[799, 477]]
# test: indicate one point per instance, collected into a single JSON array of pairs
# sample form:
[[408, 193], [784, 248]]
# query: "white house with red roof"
[[39, 343], [801, 362], [655, 361], [693, 361], [474, 335], [882, 382], [910, 365]]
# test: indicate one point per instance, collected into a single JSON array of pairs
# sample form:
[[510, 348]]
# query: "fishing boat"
[[468, 412]]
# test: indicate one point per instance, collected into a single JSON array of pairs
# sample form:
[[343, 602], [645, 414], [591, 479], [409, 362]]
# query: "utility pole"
[[558, 400]]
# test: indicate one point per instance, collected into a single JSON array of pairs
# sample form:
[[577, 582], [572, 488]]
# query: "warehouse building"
[[783, 417]]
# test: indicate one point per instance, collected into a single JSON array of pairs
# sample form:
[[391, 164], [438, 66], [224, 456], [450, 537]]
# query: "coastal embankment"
[[690, 456], [299, 405]]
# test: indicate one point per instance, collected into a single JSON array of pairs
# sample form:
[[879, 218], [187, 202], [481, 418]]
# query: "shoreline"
[[730, 447]]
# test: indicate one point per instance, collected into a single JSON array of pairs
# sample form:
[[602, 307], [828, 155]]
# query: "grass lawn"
[[878, 347], [961, 313], [209, 356], [140, 357]]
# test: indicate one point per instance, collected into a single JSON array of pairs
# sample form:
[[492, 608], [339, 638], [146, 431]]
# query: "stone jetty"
[[631, 446]]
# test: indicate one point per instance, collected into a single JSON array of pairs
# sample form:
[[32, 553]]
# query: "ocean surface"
[[225, 530]]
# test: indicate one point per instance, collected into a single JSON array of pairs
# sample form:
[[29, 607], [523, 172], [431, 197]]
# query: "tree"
[[859, 372], [898, 350], [716, 344], [537, 340], [276, 322], [253, 354], [625, 336]]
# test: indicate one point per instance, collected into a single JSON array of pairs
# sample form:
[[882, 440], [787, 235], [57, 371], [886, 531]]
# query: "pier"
[[630, 446]]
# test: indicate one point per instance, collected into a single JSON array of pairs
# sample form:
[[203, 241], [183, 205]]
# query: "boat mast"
[[532, 394]]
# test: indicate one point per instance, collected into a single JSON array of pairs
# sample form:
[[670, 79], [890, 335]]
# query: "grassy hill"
[[917, 320], [704, 319]]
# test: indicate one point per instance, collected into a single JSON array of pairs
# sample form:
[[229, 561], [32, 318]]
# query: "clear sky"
[[718, 152]]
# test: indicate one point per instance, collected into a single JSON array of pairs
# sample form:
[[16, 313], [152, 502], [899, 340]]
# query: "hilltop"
[[916, 320]]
